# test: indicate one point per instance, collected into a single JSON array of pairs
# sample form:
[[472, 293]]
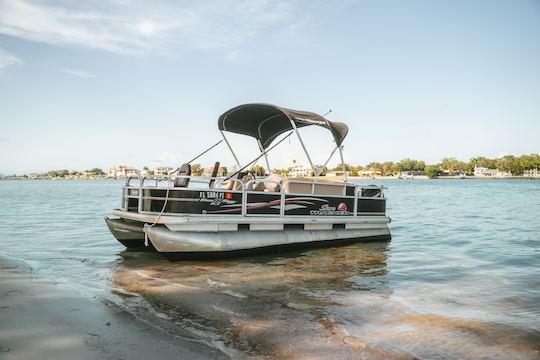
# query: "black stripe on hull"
[[137, 245], [274, 249]]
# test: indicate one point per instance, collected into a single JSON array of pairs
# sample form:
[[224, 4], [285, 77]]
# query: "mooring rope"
[[146, 226]]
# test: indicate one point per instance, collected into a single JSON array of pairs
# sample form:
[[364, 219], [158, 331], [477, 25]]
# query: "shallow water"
[[460, 278]]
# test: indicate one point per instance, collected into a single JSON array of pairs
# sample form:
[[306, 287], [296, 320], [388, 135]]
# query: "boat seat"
[[215, 171], [270, 186], [235, 185], [321, 187], [371, 192], [183, 182]]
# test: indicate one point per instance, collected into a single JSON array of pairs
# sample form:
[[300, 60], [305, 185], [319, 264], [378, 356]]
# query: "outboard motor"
[[185, 170]]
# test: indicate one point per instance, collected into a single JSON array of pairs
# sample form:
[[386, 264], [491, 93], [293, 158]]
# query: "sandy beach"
[[43, 320]]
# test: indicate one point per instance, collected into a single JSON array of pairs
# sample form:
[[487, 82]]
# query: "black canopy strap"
[[265, 122]]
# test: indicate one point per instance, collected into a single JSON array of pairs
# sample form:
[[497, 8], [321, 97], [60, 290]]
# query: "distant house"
[[485, 172], [411, 174], [122, 171], [300, 171], [162, 171], [222, 171], [532, 173]]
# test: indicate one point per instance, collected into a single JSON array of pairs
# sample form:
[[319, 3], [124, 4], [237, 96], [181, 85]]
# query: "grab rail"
[[245, 189]]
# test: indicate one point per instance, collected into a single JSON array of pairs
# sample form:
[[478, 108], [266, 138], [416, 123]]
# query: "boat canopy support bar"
[[318, 173], [342, 162], [303, 146], [230, 148], [265, 156]]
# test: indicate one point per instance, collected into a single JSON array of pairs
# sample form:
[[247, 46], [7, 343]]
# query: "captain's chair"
[[183, 182], [215, 171]]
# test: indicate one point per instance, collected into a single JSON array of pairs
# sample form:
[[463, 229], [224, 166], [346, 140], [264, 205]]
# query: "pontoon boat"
[[185, 215]]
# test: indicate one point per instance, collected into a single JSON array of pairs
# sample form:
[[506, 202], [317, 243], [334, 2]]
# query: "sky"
[[88, 84]]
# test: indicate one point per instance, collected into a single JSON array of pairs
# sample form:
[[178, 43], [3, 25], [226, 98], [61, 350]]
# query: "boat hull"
[[128, 233], [190, 244]]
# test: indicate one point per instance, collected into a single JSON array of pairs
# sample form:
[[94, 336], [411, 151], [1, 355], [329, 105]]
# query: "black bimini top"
[[265, 122]]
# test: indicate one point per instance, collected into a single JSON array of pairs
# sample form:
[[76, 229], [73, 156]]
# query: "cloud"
[[7, 59], [139, 27], [4, 139], [78, 73]]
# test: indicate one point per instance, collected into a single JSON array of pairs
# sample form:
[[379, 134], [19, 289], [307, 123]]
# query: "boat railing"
[[132, 191]]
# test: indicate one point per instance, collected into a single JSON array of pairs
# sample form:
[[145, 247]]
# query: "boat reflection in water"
[[340, 303], [266, 305]]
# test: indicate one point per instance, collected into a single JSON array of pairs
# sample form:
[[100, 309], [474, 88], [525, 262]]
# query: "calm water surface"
[[460, 278]]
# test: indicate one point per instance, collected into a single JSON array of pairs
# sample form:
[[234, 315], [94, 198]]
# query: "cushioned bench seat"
[[318, 187]]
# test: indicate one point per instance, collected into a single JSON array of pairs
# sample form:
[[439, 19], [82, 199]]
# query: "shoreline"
[[40, 319]]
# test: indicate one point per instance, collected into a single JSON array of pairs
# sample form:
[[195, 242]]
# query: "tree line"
[[64, 173], [509, 163], [447, 166]]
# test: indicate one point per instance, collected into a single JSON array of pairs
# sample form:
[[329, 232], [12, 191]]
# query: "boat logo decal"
[[331, 210], [309, 121]]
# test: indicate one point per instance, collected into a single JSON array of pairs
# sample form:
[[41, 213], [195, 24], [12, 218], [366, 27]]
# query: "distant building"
[[300, 171], [162, 171], [411, 174], [121, 172], [532, 173], [485, 172], [222, 171]]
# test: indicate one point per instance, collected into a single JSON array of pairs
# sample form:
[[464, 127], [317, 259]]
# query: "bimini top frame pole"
[[342, 162], [327, 161], [230, 148], [303, 146], [265, 156]]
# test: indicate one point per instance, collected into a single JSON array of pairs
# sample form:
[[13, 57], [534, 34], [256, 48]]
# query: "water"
[[460, 278]]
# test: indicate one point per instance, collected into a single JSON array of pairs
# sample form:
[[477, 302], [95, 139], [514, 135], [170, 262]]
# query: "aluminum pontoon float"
[[185, 215]]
